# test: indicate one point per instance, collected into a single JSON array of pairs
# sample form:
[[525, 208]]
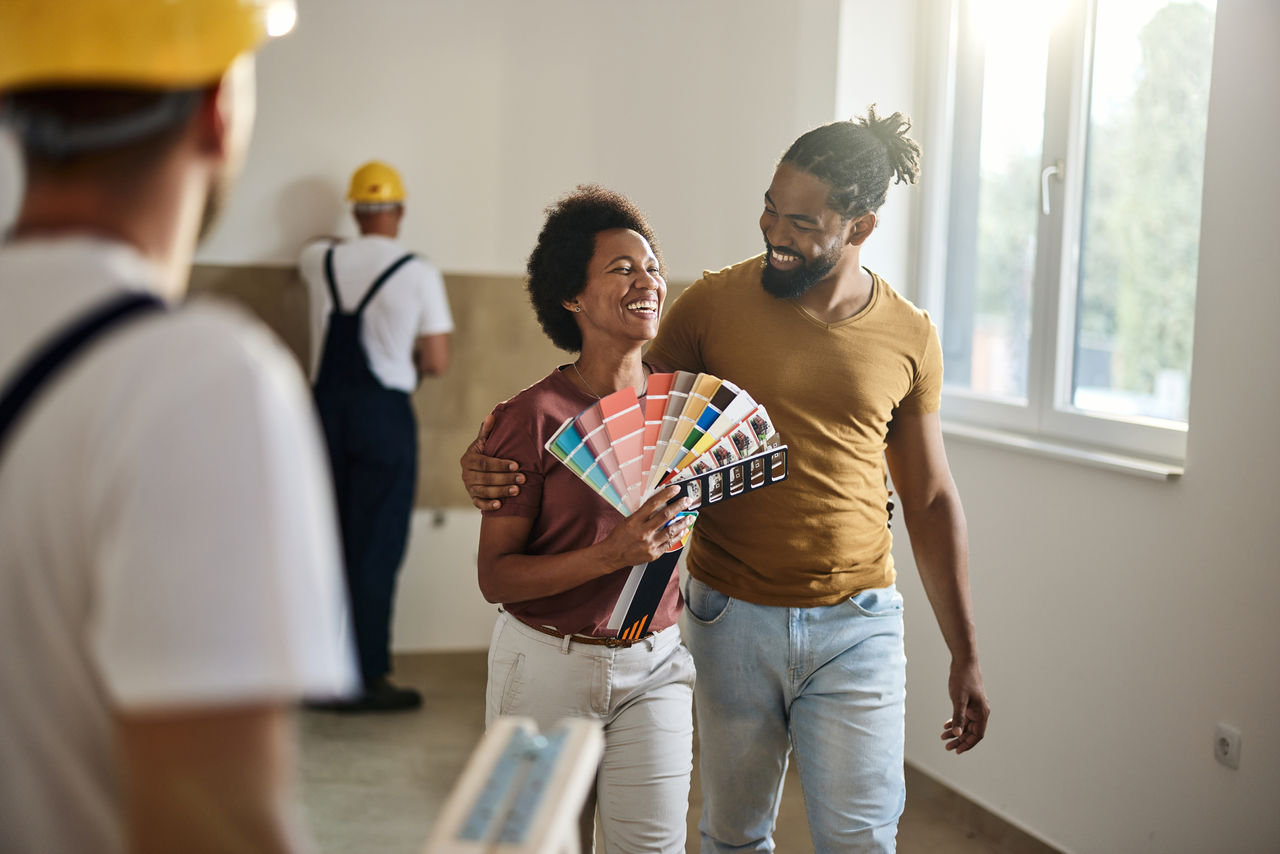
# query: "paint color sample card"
[[725, 395], [642, 595], [567, 445], [590, 424], [678, 455], [745, 438], [681, 385], [732, 415], [655, 403], [624, 422], [704, 388]]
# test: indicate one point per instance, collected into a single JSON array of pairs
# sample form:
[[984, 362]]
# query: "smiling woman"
[[620, 301], [558, 555]]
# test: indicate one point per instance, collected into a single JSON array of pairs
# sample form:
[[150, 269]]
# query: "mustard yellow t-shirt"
[[831, 389]]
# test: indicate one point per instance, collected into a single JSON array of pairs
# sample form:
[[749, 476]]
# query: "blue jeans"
[[828, 683]]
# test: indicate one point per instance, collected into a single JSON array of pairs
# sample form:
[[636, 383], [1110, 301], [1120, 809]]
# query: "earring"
[[577, 308]]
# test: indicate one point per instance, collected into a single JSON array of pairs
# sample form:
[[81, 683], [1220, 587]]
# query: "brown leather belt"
[[587, 639]]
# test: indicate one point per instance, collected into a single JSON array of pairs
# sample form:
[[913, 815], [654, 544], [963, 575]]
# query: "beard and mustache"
[[790, 284]]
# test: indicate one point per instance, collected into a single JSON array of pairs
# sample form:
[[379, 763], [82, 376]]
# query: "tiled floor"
[[376, 783]]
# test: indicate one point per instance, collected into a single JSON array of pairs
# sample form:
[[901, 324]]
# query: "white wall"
[[438, 602], [493, 108], [1120, 618], [876, 65]]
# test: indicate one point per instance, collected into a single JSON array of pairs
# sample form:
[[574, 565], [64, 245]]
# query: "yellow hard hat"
[[161, 44], [375, 183]]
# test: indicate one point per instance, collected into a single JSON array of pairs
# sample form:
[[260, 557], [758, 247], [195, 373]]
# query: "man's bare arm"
[[431, 354], [939, 540], [209, 781], [488, 479]]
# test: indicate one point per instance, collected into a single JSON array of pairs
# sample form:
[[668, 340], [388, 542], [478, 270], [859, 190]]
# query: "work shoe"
[[382, 696], [379, 696]]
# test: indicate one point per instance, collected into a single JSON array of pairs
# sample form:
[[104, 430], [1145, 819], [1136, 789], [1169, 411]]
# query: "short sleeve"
[[436, 319], [678, 344], [925, 394], [311, 264], [311, 259], [511, 439], [218, 553]]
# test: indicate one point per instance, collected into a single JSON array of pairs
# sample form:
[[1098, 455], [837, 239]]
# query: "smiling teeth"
[[778, 256], [642, 305]]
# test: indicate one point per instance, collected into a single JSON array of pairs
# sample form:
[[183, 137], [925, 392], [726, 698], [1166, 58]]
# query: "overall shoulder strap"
[[382, 279], [42, 365], [330, 281]]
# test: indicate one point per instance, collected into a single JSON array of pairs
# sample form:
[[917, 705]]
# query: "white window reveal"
[[1072, 165]]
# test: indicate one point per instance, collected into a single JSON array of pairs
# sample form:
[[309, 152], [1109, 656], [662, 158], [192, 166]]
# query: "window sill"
[[1058, 450]]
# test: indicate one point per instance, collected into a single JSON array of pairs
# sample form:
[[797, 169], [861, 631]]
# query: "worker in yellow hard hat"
[[380, 323], [375, 184], [170, 570]]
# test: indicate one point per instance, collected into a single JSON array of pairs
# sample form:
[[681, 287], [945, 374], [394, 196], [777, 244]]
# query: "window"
[[1074, 163]]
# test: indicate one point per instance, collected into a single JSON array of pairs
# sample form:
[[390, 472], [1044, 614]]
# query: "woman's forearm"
[[520, 577]]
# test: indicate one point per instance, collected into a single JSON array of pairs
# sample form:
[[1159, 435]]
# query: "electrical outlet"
[[1226, 745]]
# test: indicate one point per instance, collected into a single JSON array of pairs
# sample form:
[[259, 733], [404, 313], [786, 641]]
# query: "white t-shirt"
[[411, 303], [166, 536]]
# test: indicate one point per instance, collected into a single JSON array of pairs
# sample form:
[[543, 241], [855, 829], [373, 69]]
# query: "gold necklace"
[[590, 390], [643, 388]]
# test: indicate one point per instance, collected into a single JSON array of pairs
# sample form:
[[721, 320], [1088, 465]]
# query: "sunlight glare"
[[281, 17], [1004, 23]]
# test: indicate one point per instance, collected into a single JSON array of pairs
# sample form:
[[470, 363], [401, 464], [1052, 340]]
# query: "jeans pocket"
[[878, 602], [704, 603]]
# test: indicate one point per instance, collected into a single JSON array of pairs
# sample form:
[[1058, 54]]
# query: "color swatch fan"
[[626, 448], [689, 429]]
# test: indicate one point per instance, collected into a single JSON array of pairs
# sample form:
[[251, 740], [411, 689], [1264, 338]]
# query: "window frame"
[[1045, 420]]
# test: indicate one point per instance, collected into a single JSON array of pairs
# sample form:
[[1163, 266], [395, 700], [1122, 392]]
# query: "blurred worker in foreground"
[[169, 581], [380, 322]]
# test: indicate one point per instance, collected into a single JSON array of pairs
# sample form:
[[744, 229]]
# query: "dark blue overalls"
[[373, 448], [61, 350]]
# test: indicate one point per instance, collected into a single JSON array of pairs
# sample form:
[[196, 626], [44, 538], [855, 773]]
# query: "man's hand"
[[488, 479], [970, 709]]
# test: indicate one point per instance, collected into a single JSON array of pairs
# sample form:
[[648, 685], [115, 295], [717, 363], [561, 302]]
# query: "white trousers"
[[642, 695]]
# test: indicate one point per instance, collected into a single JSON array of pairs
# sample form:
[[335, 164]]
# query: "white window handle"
[[1053, 170]]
